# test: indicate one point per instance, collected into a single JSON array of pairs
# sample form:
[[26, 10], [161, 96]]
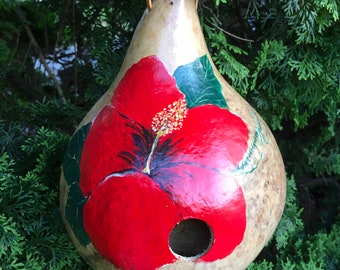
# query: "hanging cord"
[[149, 4]]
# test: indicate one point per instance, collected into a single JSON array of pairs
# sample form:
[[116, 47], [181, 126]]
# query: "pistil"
[[165, 122], [153, 148]]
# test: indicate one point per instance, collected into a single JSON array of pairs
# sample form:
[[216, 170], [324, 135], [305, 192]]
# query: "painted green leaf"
[[75, 200], [198, 83], [74, 213]]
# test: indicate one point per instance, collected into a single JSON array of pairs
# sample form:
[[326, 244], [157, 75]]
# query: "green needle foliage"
[[281, 56], [31, 230]]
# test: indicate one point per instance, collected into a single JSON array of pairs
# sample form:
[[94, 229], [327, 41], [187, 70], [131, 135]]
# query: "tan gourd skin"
[[171, 30]]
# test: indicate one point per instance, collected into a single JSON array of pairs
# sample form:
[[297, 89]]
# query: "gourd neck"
[[170, 30]]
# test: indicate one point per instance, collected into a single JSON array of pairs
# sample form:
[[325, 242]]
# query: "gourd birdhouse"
[[171, 168]]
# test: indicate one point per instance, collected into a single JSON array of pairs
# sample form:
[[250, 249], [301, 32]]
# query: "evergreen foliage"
[[282, 56], [31, 230]]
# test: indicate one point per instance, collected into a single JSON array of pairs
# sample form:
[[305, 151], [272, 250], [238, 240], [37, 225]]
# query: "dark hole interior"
[[190, 238]]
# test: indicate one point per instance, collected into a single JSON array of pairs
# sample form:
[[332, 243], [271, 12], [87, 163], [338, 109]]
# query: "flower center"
[[170, 118], [165, 122]]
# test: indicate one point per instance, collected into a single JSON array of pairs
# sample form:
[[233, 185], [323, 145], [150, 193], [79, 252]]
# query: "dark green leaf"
[[198, 83], [74, 213], [75, 199], [73, 154]]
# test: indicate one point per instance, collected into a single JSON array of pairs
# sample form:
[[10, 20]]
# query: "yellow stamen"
[[165, 122]]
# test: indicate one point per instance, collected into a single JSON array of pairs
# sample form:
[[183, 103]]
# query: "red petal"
[[212, 137], [129, 220], [108, 136], [225, 213], [145, 89], [214, 198]]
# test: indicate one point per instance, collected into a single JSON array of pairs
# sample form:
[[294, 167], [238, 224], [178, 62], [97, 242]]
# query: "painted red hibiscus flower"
[[160, 153]]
